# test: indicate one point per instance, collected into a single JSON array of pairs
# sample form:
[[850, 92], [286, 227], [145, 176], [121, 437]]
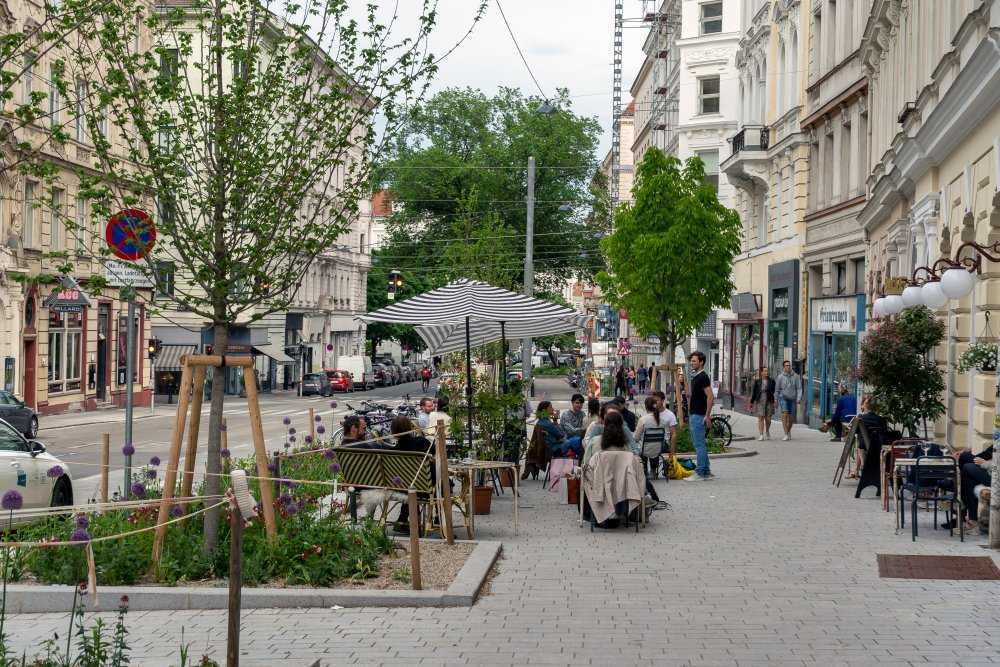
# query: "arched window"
[[751, 111], [793, 69], [779, 102], [762, 92]]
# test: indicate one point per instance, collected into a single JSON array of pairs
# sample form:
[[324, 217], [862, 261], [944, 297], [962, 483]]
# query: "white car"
[[26, 467]]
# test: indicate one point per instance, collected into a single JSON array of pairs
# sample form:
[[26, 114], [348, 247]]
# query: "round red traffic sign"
[[130, 233]]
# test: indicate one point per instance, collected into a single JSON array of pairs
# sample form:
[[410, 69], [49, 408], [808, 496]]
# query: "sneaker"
[[697, 478], [760, 437], [767, 436], [787, 437], [661, 505]]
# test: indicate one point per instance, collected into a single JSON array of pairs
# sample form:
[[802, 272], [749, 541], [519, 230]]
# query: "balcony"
[[747, 164]]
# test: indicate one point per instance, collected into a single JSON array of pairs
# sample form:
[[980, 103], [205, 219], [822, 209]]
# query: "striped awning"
[[450, 337], [476, 300], [170, 357]]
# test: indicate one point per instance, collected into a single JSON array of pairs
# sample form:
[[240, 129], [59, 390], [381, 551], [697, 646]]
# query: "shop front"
[[835, 328], [743, 350], [783, 314]]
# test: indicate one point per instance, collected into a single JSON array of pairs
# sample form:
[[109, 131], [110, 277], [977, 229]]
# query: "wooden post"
[[678, 397], [443, 481], [170, 476], [312, 425], [105, 463], [277, 473], [414, 540], [191, 453], [235, 585], [266, 495]]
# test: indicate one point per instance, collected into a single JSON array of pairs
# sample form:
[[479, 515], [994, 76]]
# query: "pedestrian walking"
[[789, 390], [593, 386], [425, 378], [700, 403], [641, 378], [762, 402], [620, 381]]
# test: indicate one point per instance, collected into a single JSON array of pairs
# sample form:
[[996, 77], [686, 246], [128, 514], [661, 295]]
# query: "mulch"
[[954, 568]]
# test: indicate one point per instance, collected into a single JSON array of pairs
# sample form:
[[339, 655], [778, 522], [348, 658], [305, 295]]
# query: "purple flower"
[[291, 438], [272, 468], [329, 347], [150, 474], [154, 461], [321, 429], [328, 454], [397, 481], [79, 535], [291, 509], [319, 418], [291, 431], [176, 511], [333, 406], [12, 500], [301, 504], [307, 439], [224, 453], [138, 490], [82, 521], [286, 421], [334, 468], [128, 449], [284, 499], [55, 471]]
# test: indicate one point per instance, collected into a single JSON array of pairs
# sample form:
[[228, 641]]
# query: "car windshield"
[[10, 440], [311, 377]]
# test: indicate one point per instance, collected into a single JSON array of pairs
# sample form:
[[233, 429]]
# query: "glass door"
[[841, 372], [816, 343]]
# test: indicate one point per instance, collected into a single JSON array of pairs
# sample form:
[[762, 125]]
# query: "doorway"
[[103, 320], [29, 373]]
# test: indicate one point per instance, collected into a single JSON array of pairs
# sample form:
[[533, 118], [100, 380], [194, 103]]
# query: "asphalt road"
[[76, 439]]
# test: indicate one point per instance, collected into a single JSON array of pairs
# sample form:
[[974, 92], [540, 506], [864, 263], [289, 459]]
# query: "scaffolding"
[[661, 46], [616, 112]]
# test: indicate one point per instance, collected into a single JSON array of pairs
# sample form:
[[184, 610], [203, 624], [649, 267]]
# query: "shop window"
[[711, 18], [65, 351]]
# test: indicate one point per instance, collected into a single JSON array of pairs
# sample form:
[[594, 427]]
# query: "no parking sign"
[[130, 233]]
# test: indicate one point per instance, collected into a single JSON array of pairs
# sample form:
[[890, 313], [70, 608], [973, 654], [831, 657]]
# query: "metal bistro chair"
[[923, 483], [653, 442], [900, 449]]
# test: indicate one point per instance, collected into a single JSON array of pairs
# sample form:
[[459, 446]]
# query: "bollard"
[[105, 463]]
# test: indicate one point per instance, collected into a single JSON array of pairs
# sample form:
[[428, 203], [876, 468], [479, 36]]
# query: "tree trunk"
[[213, 458]]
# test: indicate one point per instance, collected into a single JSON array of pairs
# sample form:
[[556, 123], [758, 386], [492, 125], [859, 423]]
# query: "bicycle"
[[720, 429]]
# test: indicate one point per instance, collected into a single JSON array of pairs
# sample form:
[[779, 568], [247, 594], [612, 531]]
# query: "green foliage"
[[979, 356], [671, 253], [685, 445], [905, 385]]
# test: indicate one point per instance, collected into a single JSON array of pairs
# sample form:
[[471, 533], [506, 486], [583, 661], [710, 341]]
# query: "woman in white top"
[[653, 448]]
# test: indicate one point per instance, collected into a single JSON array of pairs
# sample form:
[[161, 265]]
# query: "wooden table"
[[470, 468], [946, 462]]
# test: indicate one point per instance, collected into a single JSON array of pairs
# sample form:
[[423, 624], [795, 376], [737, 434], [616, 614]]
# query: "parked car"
[[410, 371], [29, 470], [22, 417], [340, 381], [383, 376], [361, 370], [316, 383]]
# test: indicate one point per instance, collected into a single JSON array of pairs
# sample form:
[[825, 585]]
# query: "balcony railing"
[[751, 138]]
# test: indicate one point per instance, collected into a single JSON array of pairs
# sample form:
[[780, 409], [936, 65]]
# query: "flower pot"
[[482, 496], [507, 477]]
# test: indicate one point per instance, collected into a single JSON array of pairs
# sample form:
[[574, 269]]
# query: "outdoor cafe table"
[[947, 462], [470, 468]]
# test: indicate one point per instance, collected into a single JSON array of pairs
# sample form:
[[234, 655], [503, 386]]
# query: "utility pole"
[[129, 370], [529, 270]]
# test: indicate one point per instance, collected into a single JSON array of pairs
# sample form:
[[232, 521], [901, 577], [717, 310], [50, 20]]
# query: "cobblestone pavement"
[[768, 565]]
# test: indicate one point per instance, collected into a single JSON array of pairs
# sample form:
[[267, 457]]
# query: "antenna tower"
[[616, 112]]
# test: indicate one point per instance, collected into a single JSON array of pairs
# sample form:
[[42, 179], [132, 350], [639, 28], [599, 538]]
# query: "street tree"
[[671, 252], [254, 123]]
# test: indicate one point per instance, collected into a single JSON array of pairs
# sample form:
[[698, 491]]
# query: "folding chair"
[[653, 441]]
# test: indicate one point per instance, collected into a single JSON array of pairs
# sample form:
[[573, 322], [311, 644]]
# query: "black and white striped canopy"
[[450, 336]]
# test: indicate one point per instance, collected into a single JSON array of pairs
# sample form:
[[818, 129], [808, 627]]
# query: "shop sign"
[[122, 274], [837, 314], [779, 304], [66, 301]]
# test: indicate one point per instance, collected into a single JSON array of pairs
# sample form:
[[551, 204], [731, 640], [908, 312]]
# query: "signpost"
[[130, 233]]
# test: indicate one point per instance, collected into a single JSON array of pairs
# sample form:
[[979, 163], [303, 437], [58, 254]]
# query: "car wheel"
[[32, 431], [62, 494]]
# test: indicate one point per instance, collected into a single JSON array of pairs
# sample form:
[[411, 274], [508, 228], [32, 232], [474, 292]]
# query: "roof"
[[629, 109], [381, 204]]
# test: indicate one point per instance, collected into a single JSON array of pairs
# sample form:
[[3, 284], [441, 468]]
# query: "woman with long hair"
[[762, 402], [650, 450]]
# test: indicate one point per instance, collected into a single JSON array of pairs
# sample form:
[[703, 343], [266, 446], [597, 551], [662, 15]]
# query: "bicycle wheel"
[[721, 430]]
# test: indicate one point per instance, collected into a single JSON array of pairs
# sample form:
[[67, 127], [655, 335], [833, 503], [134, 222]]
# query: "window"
[[762, 219], [361, 247], [709, 102], [711, 18], [82, 224], [169, 64], [102, 123], [859, 276], [54, 100], [80, 122], [240, 69], [10, 440], [57, 226], [840, 269], [65, 351], [166, 208], [711, 160], [28, 233], [29, 76], [165, 279]]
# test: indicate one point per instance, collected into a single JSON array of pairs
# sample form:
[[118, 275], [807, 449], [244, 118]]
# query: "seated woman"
[[975, 470], [847, 407], [555, 438], [408, 441]]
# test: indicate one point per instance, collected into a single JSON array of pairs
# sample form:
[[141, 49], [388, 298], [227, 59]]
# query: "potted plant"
[[979, 356]]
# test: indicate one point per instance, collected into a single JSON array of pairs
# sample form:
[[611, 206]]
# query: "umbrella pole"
[[503, 356], [468, 376]]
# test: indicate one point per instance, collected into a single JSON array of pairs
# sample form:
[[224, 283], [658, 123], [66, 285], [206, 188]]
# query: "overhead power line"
[[520, 53]]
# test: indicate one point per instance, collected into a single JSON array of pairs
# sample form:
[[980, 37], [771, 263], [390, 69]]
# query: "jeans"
[[574, 444], [700, 448]]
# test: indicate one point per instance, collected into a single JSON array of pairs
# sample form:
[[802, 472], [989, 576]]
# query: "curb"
[[95, 422], [727, 455], [463, 591]]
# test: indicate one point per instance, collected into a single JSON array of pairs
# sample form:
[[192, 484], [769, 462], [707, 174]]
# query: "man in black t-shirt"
[[700, 408]]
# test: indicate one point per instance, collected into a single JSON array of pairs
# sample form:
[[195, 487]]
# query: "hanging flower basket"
[[979, 356]]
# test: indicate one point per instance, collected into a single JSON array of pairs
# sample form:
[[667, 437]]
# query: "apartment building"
[[768, 163], [934, 148], [62, 349], [835, 119]]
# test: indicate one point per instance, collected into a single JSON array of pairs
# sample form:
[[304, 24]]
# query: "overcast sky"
[[568, 44]]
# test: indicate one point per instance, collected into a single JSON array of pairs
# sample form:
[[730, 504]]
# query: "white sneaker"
[[760, 437], [787, 437], [767, 436]]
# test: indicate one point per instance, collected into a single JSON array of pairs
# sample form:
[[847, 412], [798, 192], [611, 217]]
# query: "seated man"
[[847, 407], [355, 435], [555, 438], [975, 470]]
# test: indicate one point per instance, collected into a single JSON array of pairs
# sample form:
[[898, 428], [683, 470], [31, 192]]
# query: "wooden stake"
[[312, 425], [678, 397], [266, 494], [443, 481], [191, 453], [170, 477], [235, 585], [105, 463], [414, 540]]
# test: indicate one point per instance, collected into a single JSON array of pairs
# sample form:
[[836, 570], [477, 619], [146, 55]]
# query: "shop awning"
[[274, 351], [170, 357]]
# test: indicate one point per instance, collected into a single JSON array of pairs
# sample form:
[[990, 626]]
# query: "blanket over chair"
[[611, 477]]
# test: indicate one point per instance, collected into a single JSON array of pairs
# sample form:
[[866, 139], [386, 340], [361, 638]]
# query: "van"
[[360, 368]]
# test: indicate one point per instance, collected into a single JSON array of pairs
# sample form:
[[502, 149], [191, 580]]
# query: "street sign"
[[624, 347], [130, 233], [121, 274]]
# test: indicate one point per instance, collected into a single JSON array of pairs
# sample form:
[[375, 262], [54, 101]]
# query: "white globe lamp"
[[957, 283], [893, 304], [932, 295], [912, 297], [877, 307]]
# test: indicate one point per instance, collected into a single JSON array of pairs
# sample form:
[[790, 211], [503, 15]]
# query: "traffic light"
[[155, 344], [395, 284]]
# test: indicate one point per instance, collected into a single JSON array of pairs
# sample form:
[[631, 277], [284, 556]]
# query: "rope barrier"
[[36, 512]]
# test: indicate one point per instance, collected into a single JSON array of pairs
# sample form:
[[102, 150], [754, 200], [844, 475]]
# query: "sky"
[[567, 43]]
